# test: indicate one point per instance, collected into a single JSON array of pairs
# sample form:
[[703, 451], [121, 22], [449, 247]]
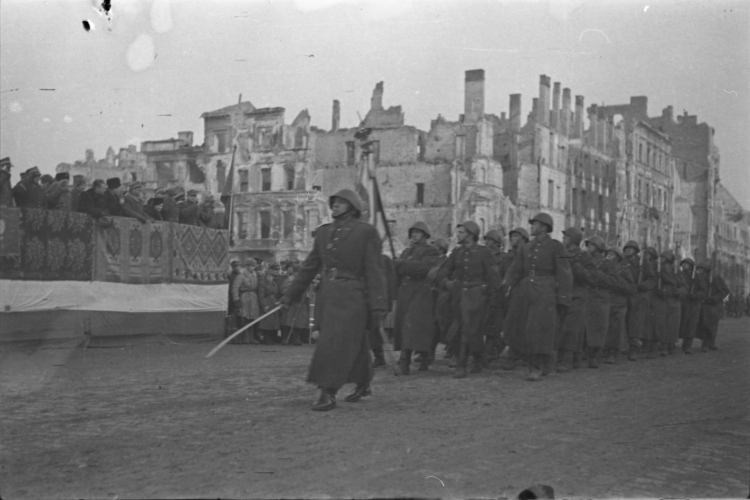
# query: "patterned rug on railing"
[[200, 254], [132, 252], [45, 245]]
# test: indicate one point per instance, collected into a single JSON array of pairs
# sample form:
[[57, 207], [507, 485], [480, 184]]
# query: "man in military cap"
[[471, 276], [189, 209], [170, 210], [132, 205], [6, 190], [512, 332], [691, 303], [620, 288], [414, 308], [543, 281], [597, 312], [638, 316], [347, 254], [667, 304], [58, 194], [717, 291], [493, 321], [112, 197], [28, 193], [570, 334]]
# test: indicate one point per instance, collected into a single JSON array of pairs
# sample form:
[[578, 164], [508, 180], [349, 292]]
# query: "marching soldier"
[[570, 334], [470, 275], [691, 303], [347, 254], [597, 312], [541, 274], [622, 286], [667, 304], [493, 322], [639, 308], [414, 308], [717, 291], [512, 333]]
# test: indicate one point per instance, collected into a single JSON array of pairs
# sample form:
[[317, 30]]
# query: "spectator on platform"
[[132, 205], [170, 212], [155, 209], [190, 209], [218, 221], [92, 201], [79, 186], [6, 189], [28, 193], [113, 197], [47, 181], [58, 194]]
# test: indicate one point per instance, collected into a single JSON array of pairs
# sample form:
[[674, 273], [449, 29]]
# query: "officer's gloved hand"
[[283, 302]]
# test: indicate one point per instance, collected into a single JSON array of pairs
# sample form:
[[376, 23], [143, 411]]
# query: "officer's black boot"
[[562, 361], [379, 357], [326, 400], [361, 391], [687, 346], [424, 362], [477, 363], [594, 357], [535, 372], [547, 360], [402, 367]]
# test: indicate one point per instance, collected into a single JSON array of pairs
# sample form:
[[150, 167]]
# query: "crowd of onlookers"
[[108, 198]]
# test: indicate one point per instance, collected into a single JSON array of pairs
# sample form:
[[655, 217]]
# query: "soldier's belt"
[[535, 273], [340, 274]]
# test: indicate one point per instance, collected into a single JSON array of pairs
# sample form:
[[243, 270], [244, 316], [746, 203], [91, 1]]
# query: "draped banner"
[[47, 245], [200, 254]]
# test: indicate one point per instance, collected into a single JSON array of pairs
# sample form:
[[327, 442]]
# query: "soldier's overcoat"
[[691, 304], [570, 333], [597, 310], [667, 306], [347, 254], [622, 286], [639, 317], [542, 280], [708, 326], [414, 308]]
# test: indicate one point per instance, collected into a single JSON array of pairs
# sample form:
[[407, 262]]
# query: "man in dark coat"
[[6, 190], [28, 193], [171, 212], [717, 291], [570, 334], [112, 197], [391, 287], [493, 321], [667, 304], [691, 303], [190, 209], [597, 313], [58, 194], [474, 283], [621, 287], [638, 317], [543, 281], [79, 186], [154, 209], [347, 254], [132, 204], [91, 201], [512, 332], [414, 309]]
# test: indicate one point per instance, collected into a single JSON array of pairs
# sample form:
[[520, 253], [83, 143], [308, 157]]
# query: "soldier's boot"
[[662, 349], [593, 356], [687, 346], [632, 352], [671, 348], [712, 344], [424, 362], [704, 345], [477, 363], [361, 391], [294, 337], [326, 400], [379, 358], [611, 356], [563, 357], [511, 361], [402, 367], [650, 347], [576, 362], [461, 361], [547, 362], [490, 350], [535, 373]]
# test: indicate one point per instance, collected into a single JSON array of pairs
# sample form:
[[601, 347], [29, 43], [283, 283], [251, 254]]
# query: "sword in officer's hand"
[[226, 340]]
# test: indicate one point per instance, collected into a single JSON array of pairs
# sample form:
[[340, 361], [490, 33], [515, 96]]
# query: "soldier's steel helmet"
[[494, 234], [575, 234], [632, 244], [689, 261], [347, 194], [544, 219], [668, 255], [523, 232], [598, 242], [617, 252], [420, 226], [471, 227], [652, 251], [705, 264]]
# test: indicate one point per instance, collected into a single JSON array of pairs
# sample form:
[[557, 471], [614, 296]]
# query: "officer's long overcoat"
[[414, 308], [667, 306], [622, 286], [542, 280], [708, 326], [639, 316], [597, 309], [570, 334], [347, 296], [691, 304]]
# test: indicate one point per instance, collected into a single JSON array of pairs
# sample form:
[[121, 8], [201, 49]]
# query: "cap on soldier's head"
[[521, 231], [617, 252], [598, 242], [544, 218], [689, 261], [471, 227], [575, 235], [494, 235], [421, 226], [353, 198], [632, 244]]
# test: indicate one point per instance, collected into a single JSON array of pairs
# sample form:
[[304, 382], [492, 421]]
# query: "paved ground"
[[158, 421]]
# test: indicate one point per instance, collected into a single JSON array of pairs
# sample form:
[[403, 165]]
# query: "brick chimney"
[[376, 102], [593, 126], [542, 109], [578, 132], [515, 112], [602, 133], [554, 117], [474, 95], [336, 118], [565, 113]]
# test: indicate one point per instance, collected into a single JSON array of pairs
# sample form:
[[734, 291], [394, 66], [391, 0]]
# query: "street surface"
[[160, 421]]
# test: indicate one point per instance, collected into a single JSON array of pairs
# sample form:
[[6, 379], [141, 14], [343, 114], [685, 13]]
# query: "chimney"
[[565, 113], [593, 125], [515, 112], [336, 119], [534, 107], [542, 110], [376, 102], [578, 132], [474, 95], [554, 118], [667, 113], [602, 133]]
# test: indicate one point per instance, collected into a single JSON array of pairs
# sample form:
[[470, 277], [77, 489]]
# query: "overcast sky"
[[114, 83]]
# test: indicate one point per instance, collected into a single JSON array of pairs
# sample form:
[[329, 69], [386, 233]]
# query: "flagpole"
[[231, 195]]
